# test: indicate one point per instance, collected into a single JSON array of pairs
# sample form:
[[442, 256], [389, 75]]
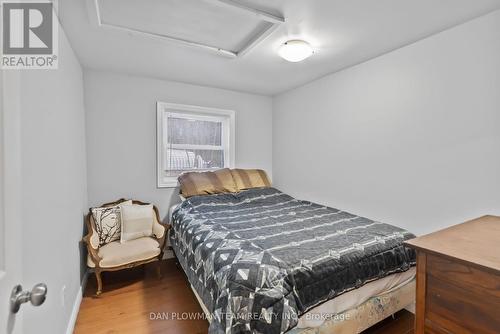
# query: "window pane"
[[182, 160], [194, 132]]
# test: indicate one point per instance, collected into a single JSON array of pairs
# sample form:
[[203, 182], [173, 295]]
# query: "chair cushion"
[[116, 254], [137, 221], [108, 223]]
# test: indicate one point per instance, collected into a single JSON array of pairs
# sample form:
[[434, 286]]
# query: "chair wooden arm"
[[92, 247], [163, 238]]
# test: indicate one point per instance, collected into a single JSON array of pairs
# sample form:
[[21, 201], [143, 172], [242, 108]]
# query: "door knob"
[[36, 296]]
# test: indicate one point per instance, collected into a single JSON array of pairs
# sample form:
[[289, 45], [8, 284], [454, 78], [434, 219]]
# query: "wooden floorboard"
[[401, 322], [132, 297]]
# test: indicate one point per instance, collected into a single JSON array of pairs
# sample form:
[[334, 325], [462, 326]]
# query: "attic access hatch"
[[225, 27]]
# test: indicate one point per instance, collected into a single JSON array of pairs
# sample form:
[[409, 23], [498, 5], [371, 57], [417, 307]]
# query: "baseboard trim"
[[76, 305], [168, 254]]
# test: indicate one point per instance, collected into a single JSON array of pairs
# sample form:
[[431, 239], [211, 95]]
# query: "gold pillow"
[[207, 183], [250, 178]]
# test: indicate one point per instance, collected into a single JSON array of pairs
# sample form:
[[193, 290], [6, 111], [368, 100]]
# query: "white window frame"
[[164, 109]]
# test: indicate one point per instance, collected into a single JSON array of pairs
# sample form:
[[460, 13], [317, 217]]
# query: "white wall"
[[121, 133], [54, 187], [410, 138]]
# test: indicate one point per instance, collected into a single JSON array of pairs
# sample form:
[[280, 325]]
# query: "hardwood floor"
[[131, 298], [403, 322], [128, 298]]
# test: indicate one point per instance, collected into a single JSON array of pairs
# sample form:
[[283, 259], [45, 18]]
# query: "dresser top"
[[476, 241]]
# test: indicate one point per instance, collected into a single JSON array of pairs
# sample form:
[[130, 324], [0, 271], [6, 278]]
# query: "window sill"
[[168, 183]]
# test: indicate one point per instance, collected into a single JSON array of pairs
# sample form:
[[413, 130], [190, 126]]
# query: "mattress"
[[354, 298], [260, 259], [333, 309], [362, 317]]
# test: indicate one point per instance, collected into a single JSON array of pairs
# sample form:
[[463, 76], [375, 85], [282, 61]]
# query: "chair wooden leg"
[[158, 269], [99, 282]]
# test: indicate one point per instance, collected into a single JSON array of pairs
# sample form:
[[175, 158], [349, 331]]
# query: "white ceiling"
[[204, 22], [342, 32]]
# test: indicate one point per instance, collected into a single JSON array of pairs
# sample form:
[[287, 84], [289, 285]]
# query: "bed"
[[261, 261]]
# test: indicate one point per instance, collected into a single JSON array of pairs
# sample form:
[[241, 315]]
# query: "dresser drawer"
[[472, 278], [460, 299]]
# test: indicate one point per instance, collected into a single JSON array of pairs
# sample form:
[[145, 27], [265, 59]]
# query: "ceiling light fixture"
[[295, 50]]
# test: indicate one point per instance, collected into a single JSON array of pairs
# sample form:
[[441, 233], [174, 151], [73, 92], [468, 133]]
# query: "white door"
[[11, 244]]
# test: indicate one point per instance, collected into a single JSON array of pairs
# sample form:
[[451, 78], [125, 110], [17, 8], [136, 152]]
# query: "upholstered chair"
[[115, 255]]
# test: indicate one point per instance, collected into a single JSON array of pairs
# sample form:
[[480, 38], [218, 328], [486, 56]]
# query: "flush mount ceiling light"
[[295, 50]]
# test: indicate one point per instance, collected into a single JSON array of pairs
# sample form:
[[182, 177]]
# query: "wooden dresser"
[[458, 278]]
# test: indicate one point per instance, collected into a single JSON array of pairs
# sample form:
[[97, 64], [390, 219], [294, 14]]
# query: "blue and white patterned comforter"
[[259, 258]]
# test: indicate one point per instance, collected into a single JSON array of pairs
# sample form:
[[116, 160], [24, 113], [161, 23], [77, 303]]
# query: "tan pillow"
[[250, 178], [108, 222], [207, 183], [137, 221]]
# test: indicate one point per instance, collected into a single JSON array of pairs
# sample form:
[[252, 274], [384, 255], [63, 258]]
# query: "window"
[[192, 138]]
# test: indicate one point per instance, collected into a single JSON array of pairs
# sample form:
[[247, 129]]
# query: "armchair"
[[115, 256]]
